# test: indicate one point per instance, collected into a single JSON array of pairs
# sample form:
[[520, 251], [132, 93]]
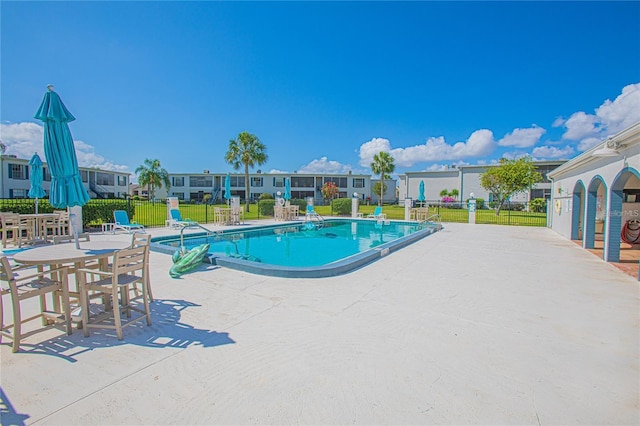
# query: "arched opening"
[[595, 212], [577, 213], [624, 208]]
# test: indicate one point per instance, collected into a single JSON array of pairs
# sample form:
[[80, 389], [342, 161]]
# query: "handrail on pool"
[[194, 225]]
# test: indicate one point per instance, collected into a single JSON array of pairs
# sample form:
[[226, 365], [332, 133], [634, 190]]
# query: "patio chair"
[[115, 283], [121, 219], [25, 287], [377, 214], [11, 222], [176, 220], [143, 240]]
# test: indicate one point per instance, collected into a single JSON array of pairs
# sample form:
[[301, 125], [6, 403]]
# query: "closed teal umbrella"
[[67, 189], [36, 177], [421, 195], [287, 189], [227, 187]]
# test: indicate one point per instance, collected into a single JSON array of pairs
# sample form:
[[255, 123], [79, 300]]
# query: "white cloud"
[[523, 138], [587, 143], [24, 139], [480, 143], [552, 152], [580, 125], [622, 112], [558, 122], [610, 118], [323, 165]]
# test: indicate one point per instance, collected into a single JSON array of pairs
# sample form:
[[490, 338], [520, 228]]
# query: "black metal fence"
[[154, 214], [533, 213]]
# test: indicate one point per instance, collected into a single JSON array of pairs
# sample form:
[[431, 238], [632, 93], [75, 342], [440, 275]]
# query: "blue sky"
[[324, 85]]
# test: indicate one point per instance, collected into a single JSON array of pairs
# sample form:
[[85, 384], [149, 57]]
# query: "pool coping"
[[339, 267]]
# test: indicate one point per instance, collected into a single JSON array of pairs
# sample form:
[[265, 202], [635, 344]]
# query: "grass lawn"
[[154, 214]]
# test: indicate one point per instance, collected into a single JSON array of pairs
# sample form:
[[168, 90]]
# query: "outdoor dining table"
[[420, 214], [37, 223], [67, 253], [291, 212]]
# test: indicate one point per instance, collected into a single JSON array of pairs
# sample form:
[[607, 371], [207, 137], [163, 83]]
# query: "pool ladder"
[[197, 225], [314, 219]]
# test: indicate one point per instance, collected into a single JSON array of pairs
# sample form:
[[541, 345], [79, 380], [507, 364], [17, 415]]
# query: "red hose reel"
[[631, 232]]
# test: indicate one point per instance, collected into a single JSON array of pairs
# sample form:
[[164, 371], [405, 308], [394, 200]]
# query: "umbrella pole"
[[36, 230]]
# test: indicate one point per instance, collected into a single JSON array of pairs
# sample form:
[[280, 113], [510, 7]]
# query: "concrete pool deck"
[[476, 324]]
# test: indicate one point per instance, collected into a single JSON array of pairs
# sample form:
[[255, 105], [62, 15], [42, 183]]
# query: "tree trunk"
[[246, 187]]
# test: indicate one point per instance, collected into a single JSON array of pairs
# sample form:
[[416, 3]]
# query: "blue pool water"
[[295, 250]]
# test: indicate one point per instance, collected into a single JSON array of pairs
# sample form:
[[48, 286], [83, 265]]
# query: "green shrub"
[[538, 205], [96, 211], [341, 206], [265, 207], [265, 196]]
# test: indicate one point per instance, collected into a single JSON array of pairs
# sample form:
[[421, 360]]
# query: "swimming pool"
[[304, 250]]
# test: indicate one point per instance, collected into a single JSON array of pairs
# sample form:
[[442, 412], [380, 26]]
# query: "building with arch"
[[595, 197]]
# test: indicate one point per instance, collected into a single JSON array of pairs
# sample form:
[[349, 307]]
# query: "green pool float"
[[184, 261]]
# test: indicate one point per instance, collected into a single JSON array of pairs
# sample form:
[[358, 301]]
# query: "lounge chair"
[[377, 214], [311, 212], [176, 220], [121, 219]]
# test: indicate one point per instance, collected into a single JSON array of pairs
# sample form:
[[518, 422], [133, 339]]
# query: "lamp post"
[[354, 205], [472, 208]]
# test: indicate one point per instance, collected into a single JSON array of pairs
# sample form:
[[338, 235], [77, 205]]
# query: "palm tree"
[[382, 165], [454, 193], [248, 150], [152, 175]]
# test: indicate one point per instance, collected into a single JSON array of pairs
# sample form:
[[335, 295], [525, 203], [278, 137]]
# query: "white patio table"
[[37, 223], [67, 253]]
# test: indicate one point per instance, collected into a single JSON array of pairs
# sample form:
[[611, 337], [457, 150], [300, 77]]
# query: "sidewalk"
[[476, 324]]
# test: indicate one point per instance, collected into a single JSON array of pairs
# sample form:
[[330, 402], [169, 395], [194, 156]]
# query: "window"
[[104, 179], [84, 174], [237, 181], [200, 182], [256, 181], [122, 180], [18, 171], [358, 182], [278, 182], [178, 195], [177, 181], [46, 176], [341, 182], [302, 182], [17, 193]]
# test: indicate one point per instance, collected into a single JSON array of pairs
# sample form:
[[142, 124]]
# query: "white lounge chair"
[[176, 220]]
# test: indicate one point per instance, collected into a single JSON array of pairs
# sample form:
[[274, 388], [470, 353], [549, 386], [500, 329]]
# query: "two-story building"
[[194, 186], [15, 183]]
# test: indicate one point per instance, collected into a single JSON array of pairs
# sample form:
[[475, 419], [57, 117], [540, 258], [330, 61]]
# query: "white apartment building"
[[466, 180], [194, 186], [15, 183]]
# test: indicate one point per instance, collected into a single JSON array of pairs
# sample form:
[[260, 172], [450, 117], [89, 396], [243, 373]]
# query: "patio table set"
[[286, 212], [116, 272], [22, 229], [228, 215]]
